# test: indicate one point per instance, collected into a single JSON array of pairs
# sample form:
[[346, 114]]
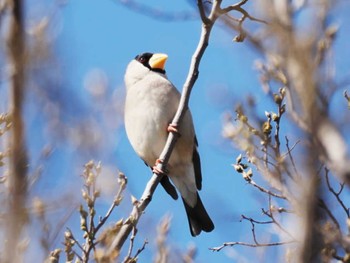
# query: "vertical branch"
[[312, 241], [18, 160]]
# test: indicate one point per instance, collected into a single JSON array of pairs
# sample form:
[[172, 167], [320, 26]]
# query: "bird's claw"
[[158, 171], [173, 128]]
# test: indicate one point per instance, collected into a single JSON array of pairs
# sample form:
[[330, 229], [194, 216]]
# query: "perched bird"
[[151, 103]]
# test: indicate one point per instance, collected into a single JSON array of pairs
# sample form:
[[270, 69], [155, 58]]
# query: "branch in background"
[[83, 251], [247, 176], [291, 66], [129, 258], [17, 215], [231, 244], [256, 243], [337, 193]]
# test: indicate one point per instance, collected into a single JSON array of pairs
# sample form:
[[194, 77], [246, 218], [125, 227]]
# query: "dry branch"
[[17, 215]]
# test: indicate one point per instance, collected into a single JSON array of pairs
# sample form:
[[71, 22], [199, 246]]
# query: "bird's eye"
[[142, 59]]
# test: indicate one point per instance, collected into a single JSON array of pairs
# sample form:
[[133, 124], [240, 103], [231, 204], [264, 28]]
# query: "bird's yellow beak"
[[157, 61]]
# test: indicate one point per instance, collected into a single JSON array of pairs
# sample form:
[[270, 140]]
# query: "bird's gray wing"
[[197, 165], [167, 185]]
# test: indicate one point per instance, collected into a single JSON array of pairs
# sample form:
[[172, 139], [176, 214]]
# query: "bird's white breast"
[[150, 107]]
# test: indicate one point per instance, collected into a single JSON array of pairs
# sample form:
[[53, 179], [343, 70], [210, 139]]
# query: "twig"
[[262, 189], [231, 244], [269, 213], [256, 243], [253, 232], [289, 153], [117, 198], [132, 238], [141, 249], [75, 241], [255, 221], [337, 194], [234, 7], [238, 7], [237, 24]]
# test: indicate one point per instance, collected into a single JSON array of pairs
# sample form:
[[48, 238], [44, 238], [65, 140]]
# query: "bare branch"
[[231, 244], [238, 7], [141, 249], [117, 199], [70, 235], [270, 214], [132, 238], [255, 221], [18, 185], [337, 194], [264, 190], [235, 6]]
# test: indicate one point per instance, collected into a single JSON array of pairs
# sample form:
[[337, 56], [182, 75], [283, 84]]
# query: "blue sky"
[[105, 36]]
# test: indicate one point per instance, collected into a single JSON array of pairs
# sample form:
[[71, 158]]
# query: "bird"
[[150, 105]]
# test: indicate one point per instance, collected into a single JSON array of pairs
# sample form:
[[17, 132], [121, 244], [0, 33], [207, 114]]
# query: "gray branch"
[[17, 178]]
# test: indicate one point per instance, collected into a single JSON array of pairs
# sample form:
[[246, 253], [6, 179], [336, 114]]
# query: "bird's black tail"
[[198, 218]]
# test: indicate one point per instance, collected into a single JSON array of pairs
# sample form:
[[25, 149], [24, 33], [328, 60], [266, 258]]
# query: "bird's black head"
[[145, 58]]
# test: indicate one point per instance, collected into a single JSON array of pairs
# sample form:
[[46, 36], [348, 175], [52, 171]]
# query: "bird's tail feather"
[[198, 217]]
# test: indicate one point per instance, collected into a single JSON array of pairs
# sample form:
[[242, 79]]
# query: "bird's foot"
[[158, 171], [173, 128]]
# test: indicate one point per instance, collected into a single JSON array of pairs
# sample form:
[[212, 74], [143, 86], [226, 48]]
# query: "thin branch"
[[75, 241], [132, 238], [238, 7], [255, 221], [253, 232], [289, 152], [256, 243], [231, 244], [117, 199], [235, 6], [141, 249], [264, 190], [269, 213], [337, 194]]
